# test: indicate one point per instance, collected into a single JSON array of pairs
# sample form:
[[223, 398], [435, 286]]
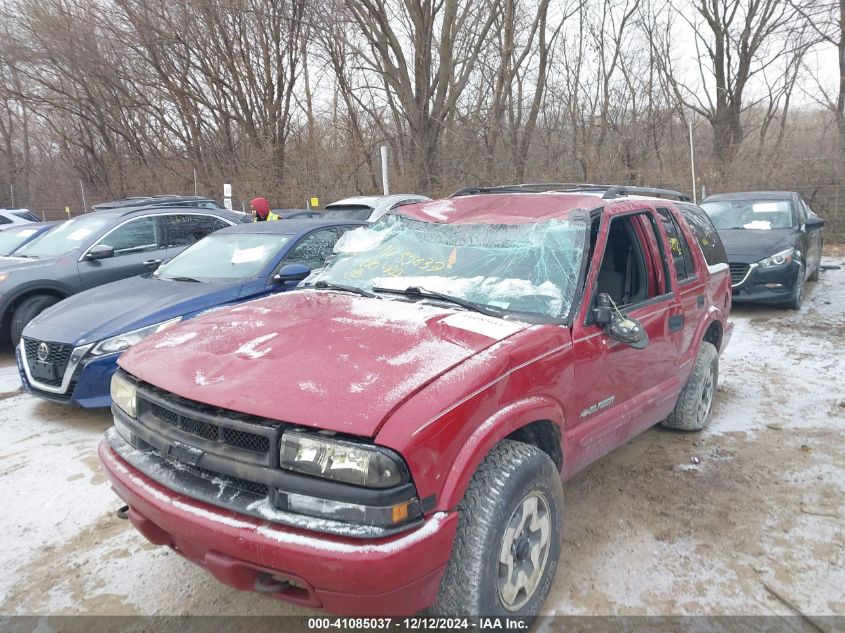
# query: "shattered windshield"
[[524, 268], [762, 215]]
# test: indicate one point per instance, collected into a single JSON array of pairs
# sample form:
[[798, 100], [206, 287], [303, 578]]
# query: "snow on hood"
[[322, 359]]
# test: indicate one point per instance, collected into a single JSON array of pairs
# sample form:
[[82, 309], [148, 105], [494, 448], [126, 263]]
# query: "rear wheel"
[[695, 403], [508, 542], [29, 308]]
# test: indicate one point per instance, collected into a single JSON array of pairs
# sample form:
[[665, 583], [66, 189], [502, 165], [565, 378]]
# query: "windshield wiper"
[[27, 256], [325, 285], [417, 291], [181, 279]]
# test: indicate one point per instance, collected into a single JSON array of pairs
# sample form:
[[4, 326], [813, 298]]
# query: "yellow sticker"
[[315, 202]]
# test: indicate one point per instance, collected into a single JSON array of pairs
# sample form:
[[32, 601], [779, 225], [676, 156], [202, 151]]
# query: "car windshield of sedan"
[[523, 268], [750, 214], [224, 256], [65, 237]]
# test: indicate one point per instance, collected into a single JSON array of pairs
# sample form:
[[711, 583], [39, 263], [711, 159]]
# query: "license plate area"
[[43, 371]]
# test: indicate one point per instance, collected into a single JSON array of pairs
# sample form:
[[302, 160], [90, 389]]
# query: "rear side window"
[[184, 229], [4, 220], [706, 234], [681, 256]]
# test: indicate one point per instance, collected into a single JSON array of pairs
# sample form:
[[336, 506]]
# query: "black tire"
[[28, 309], [694, 407], [798, 293], [513, 478]]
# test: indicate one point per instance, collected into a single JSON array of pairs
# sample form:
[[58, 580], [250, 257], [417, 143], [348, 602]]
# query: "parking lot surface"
[[747, 517]]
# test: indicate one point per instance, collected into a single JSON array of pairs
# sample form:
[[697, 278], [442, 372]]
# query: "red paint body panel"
[[333, 361], [396, 576], [505, 208], [440, 395]]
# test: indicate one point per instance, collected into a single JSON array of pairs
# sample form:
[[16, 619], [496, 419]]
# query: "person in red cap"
[[261, 210]]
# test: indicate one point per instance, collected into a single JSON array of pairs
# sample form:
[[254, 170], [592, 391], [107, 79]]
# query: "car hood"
[[11, 263], [314, 358], [755, 244], [125, 305]]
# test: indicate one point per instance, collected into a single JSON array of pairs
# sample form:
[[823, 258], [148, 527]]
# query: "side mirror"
[[100, 251], [291, 272], [618, 325], [814, 222]]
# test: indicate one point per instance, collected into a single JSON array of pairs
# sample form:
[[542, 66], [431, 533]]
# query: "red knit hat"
[[261, 206]]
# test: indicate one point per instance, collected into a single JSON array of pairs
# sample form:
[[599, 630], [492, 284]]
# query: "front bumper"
[[87, 386], [397, 575], [773, 284]]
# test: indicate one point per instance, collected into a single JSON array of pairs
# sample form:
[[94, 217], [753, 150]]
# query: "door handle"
[[676, 322], [152, 262], [699, 301]]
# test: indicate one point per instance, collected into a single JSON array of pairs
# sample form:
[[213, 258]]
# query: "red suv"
[[393, 436]]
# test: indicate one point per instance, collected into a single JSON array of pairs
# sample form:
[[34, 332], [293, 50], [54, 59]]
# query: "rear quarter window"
[[705, 234]]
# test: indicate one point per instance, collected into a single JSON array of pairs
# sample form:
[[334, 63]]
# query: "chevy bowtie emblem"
[[43, 352]]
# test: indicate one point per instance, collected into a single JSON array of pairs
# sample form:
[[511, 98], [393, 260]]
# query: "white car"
[[12, 218], [369, 208]]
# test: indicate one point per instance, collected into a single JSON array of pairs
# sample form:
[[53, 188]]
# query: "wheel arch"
[[23, 294], [533, 420]]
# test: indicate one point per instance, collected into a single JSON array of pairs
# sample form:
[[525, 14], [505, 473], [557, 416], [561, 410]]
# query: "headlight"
[[343, 461], [128, 339], [784, 257], [123, 394]]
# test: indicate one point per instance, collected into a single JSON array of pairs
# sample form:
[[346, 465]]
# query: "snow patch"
[[175, 339], [250, 349], [438, 210], [362, 385], [201, 380], [311, 387]]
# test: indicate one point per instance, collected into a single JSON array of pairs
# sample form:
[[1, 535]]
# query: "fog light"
[[774, 286], [381, 516]]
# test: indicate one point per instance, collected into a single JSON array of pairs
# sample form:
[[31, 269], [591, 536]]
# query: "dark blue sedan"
[[69, 352]]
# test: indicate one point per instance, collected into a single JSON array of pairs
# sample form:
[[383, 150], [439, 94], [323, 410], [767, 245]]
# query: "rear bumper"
[[391, 576]]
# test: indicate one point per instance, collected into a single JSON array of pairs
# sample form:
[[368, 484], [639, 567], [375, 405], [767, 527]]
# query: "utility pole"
[[385, 181], [82, 189], [692, 161]]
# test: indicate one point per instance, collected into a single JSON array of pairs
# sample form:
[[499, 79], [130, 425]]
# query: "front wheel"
[[507, 546], [29, 308], [797, 294]]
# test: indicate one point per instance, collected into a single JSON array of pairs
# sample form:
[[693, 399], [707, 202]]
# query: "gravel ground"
[[746, 518]]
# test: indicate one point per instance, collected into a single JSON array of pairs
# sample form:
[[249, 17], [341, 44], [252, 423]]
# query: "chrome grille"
[[58, 356]]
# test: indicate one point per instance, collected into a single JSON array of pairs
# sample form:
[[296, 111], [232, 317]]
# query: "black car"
[[94, 249], [773, 241]]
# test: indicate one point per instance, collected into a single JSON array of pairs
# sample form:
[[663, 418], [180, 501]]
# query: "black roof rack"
[[608, 192]]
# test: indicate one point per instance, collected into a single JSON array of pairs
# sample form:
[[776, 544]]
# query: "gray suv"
[[94, 249]]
